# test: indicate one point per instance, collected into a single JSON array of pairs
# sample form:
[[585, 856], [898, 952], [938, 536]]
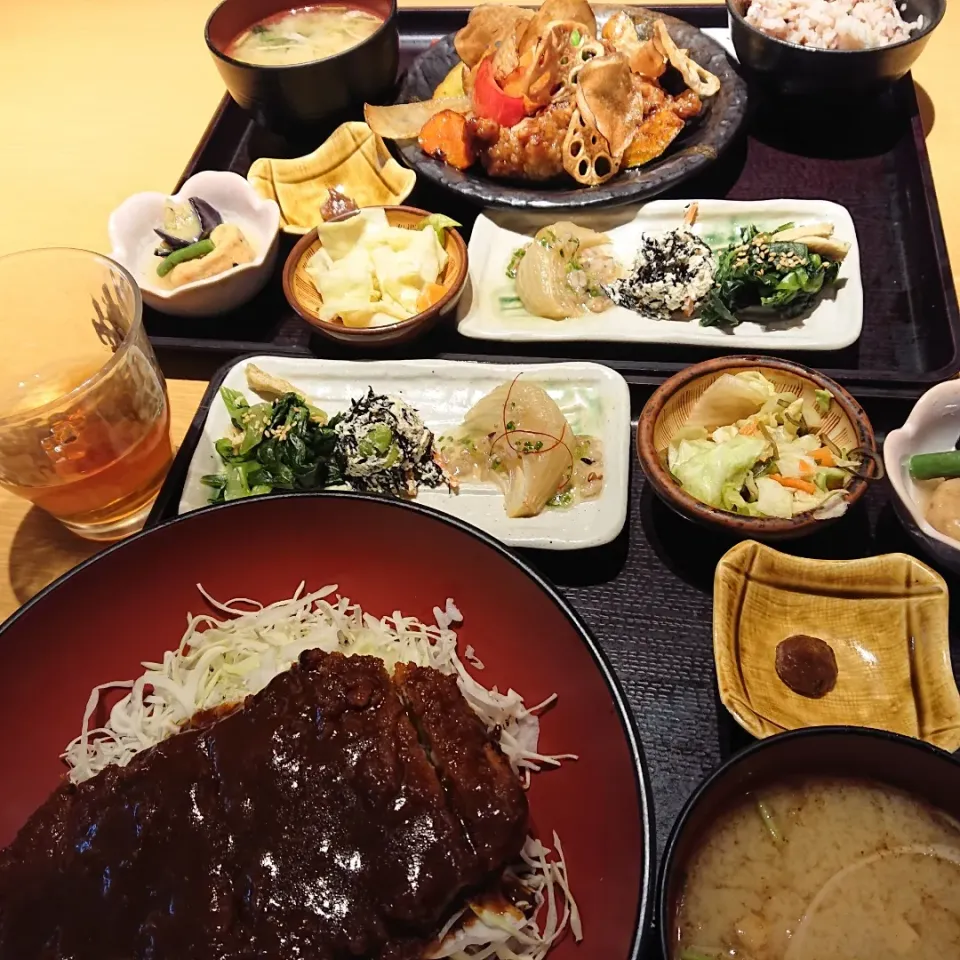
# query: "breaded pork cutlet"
[[308, 824], [483, 789]]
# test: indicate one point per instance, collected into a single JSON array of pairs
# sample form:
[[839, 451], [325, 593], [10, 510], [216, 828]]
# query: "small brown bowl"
[[668, 409], [302, 295]]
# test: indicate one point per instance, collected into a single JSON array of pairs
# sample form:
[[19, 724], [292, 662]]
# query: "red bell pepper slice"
[[491, 103]]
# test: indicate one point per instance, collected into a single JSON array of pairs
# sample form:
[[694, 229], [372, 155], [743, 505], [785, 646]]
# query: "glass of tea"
[[84, 418]]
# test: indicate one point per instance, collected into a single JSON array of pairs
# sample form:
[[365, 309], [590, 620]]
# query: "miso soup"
[[824, 869], [302, 35]]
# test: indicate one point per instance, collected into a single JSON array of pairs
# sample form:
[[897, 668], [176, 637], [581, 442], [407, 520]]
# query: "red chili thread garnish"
[[557, 441]]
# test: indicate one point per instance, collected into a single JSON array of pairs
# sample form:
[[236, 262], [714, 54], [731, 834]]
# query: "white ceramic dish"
[[132, 238], [835, 322], [594, 399], [932, 427]]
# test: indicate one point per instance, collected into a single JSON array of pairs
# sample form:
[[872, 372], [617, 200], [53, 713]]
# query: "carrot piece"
[[447, 136], [748, 429], [807, 468], [429, 295], [794, 483], [824, 456]]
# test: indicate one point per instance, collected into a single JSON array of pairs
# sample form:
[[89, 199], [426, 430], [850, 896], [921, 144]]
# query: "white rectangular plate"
[[835, 321], [593, 397]]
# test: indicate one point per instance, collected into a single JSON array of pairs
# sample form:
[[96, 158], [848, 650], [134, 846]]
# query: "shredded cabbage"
[[512, 933], [222, 661], [752, 450]]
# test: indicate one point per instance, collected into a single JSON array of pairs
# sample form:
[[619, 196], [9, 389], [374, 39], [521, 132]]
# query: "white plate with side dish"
[[491, 310], [594, 399]]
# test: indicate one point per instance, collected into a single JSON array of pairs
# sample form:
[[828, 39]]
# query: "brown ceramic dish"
[[908, 765], [296, 99], [886, 619], [302, 295], [667, 410]]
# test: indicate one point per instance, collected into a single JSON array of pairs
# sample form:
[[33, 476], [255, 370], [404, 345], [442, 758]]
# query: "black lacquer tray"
[[873, 161], [647, 597]]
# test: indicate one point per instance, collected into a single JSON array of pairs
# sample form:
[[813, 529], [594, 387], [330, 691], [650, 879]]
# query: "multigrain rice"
[[832, 24]]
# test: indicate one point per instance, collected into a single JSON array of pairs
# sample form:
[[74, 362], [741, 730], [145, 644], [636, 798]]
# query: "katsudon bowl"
[[129, 604]]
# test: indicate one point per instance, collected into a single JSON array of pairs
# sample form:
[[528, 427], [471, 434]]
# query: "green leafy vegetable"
[[510, 304], [704, 469], [440, 223], [823, 399], [515, 262], [766, 815], [756, 271], [276, 446], [251, 420]]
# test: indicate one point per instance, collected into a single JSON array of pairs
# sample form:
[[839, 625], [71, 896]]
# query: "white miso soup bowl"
[[132, 238]]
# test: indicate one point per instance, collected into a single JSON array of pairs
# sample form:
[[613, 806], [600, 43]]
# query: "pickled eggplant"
[[186, 223], [207, 214]]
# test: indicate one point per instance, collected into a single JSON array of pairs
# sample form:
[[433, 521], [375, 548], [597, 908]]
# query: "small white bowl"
[[932, 427], [132, 237]]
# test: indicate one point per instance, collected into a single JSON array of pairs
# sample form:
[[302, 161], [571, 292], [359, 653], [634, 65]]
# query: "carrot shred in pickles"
[[429, 295], [794, 483], [824, 457], [447, 136]]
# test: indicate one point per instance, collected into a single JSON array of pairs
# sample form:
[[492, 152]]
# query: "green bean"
[[930, 466], [194, 252]]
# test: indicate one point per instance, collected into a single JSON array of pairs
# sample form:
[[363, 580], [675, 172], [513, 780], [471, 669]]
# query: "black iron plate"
[[697, 148]]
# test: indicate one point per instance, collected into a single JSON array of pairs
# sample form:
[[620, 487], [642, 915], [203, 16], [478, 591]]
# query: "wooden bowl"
[[668, 409], [302, 295]]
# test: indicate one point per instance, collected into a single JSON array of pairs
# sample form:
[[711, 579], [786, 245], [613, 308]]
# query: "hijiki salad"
[[515, 437], [222, 661], [761, 274], [752, 449]]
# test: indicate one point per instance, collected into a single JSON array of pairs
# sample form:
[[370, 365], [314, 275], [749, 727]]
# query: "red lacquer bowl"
[[129, 604]]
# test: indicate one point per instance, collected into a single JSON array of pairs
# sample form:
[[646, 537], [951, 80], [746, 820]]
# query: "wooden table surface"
[[103, 98]]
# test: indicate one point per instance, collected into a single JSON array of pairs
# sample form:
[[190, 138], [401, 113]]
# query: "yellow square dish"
[[886, 619]]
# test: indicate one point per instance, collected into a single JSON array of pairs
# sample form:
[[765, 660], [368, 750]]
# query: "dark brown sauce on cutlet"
[[482, 788], [308, 824]]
